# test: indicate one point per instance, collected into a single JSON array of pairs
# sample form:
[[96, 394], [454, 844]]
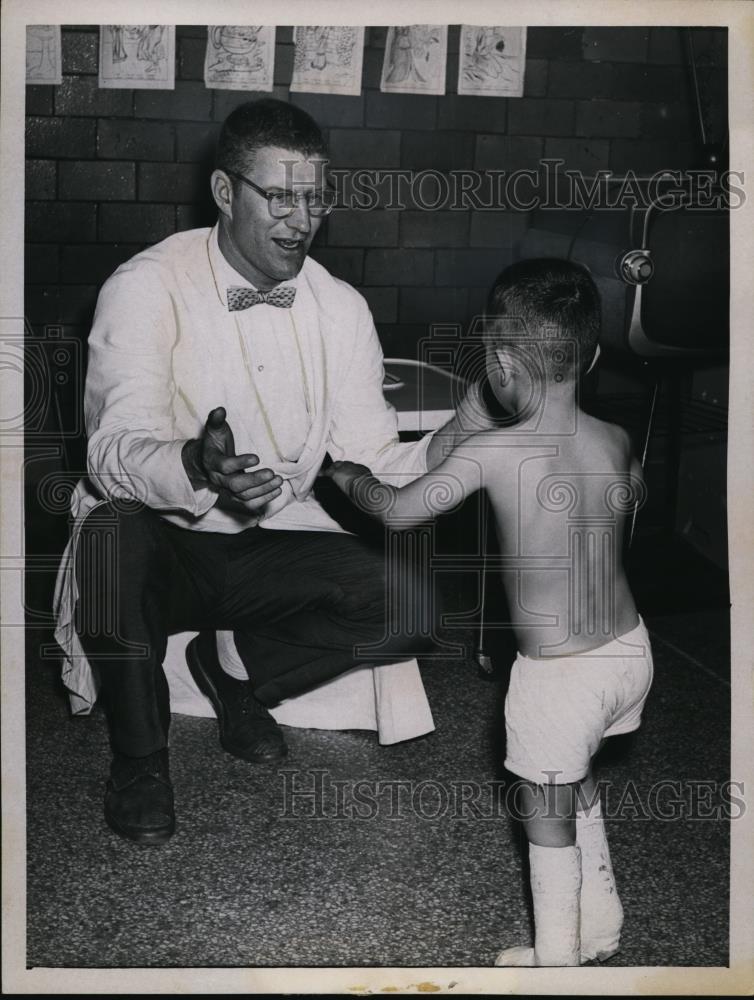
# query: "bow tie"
[[241, 297]]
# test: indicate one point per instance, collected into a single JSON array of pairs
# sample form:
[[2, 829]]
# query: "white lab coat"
[[164, 350]]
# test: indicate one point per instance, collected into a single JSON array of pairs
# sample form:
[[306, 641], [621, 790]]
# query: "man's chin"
[[290, 270], [289, 253]]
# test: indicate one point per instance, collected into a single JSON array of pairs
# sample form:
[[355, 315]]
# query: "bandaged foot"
[[520, 957], [601, 909], [555, 887]]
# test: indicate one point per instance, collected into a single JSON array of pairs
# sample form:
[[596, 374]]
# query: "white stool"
[[389, 698]]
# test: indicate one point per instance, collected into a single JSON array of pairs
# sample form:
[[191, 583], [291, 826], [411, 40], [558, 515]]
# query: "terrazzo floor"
[[253, 878]]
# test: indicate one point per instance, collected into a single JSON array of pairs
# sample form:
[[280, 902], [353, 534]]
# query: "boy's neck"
[[556, 410]]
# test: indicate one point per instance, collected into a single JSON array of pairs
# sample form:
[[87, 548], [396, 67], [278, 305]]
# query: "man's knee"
[[384, 576], [384, 594], [126, 523], [408, 604], [115, 534], [118, 555]]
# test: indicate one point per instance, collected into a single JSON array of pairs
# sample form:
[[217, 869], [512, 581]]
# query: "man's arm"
[[133, 450], [363, 426]]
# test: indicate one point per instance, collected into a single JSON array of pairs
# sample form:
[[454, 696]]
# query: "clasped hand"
[[344, 473], [212, 460]]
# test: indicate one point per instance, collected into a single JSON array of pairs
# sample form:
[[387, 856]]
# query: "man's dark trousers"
[[299, 602]]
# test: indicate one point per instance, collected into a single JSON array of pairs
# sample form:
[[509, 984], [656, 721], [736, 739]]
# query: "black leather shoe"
[[247, 730], [139, 798]]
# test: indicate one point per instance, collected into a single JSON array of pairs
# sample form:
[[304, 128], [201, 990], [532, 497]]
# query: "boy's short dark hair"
[[266, 122], [546, 300]]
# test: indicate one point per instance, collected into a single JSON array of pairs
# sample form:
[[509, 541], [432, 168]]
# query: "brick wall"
[[111, 171]]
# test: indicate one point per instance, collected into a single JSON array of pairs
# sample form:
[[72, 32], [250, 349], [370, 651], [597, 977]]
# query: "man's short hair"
[[544, 301], [266, 122]]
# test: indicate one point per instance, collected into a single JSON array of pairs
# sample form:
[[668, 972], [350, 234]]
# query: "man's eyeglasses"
[[281, 204]]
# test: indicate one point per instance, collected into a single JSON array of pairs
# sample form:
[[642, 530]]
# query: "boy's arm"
[[437, 492]]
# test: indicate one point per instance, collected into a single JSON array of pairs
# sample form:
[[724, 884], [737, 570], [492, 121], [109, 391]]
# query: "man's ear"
[[222, 192]]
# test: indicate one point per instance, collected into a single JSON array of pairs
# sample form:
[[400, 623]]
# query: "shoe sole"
[[205, 685], [146, 838]]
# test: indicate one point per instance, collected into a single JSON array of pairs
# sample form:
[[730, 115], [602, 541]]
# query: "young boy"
[[561, 484]]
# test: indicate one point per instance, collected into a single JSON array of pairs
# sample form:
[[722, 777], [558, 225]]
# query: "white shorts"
[[559, 709]]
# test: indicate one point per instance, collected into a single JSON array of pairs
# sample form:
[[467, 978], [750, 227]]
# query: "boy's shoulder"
[[605, 440], [509, 460], [502, 448], [589, 432], [499, 453], [589, 419]]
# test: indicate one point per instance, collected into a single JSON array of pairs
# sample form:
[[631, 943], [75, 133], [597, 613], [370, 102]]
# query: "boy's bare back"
[[561, 482], [560, 503]]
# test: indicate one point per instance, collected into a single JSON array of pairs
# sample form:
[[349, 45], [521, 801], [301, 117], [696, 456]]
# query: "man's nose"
[[300, 219]]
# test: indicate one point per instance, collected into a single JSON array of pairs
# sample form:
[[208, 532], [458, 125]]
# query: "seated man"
[[223, 365]]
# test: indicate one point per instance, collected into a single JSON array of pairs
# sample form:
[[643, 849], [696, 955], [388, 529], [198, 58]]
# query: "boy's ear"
[[595, 359], [505, 365]]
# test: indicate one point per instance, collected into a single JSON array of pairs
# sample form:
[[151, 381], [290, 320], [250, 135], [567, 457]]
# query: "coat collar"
[[224, 274]]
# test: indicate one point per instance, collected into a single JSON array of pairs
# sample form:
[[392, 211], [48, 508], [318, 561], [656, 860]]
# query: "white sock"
[[555, 887], [227, 653], [601, 909]]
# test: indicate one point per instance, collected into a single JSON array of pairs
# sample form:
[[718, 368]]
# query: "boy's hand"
[[344, 473], [364, 490]]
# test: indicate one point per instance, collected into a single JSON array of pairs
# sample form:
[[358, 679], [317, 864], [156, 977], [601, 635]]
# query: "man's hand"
[[211, 460]]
